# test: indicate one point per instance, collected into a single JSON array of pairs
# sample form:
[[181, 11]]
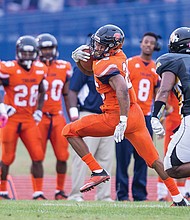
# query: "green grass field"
[[43, 210], [32, 210]]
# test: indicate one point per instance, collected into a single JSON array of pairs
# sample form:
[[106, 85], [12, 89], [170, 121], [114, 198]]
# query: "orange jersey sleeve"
[[144, 80], [58, 74], [102, 71], [22, 90]]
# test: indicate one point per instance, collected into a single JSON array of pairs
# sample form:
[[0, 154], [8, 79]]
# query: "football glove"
[[79, 54], [157, 126], [120, 129], [3, 115], [10, 110], [37, 115]]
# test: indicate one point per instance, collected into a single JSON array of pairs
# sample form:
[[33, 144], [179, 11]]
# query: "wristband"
[[2, 108], [123, 118], [73, 111], [158, 110]]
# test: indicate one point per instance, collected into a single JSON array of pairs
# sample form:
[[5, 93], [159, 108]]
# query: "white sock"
[[177, 198], [98, 171], [37, 193]]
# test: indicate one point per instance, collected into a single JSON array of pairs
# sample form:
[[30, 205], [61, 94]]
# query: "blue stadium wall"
[[73, 24]]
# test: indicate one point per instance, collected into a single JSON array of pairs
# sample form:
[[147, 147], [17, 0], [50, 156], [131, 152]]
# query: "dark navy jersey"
[[179, 65], [88, 98]]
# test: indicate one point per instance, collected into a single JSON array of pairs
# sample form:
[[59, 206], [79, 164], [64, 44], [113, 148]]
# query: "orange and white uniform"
[[53, 119], [21, 93], [144, 80], [104, 124]]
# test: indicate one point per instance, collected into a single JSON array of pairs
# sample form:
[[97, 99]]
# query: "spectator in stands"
[[53, 120], [51, 5], [21, 5], [145, 82]]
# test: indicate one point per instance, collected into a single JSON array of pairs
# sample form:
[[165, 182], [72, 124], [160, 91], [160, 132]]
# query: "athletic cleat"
[[4, 197], [60, 195], [187, 196], [183, 202], [39, 197], [96, 179]]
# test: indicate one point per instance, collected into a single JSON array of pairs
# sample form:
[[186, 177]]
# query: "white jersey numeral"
[[144, 89], [56, 89], [22, 92]]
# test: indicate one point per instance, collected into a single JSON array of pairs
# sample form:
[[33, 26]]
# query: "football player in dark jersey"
[[174, 69]]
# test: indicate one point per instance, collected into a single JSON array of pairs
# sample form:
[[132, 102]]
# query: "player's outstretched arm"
[[167, 83], [118, 83]]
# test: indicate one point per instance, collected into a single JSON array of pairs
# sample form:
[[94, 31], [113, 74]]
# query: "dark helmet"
[[179, 41], [47, 41], [26, 50], [111, 36]]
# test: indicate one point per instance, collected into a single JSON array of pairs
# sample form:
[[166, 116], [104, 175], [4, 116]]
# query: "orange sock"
[[91, 162], [60, 181], [171, 185], [33, 183], [37, 184], [160, 180], [3, 185]]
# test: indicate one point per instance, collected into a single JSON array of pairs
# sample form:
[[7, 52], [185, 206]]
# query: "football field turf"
[[59, 210], [55, 210]]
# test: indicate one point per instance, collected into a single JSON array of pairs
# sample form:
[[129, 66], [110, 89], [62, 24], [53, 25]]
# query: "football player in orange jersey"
[[145, 81], [24, 97], [121, 115], [53, 120]]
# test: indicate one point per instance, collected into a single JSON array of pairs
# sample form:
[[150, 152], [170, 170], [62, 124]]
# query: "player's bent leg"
[[177, 172], [178, 199]]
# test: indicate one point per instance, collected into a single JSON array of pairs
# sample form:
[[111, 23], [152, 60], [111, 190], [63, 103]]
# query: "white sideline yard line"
[[83, 204]]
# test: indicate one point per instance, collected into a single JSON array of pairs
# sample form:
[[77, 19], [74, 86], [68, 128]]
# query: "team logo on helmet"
[[158, 65], [117, 36], [174, 38]]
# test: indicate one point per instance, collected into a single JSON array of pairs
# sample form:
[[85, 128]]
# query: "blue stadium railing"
[[73, 24]]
